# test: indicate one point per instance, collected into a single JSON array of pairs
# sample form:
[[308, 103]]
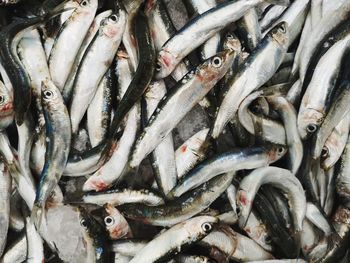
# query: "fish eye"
[[48, 94], [280, 150], [311, 128], [206, 227], [109, 220], [217, 62], [324, 152], [2, 99], [229, 36], [268, 240], [83, 223], [158, 67], [84, 3], [113, 18], [282, 28]]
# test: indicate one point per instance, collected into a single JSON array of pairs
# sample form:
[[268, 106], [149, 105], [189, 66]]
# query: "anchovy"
[[58, 138], [188, 92], [98, 58], [273, 45], [272, 175], [90, 35], [181, 234], [200, 29], [231, 161], [62, 55], [123, 196], [116, 225], [181, 208]]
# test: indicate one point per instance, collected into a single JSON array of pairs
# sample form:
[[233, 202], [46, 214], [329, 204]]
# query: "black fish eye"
[[280, 150], [158, 67], [311, 128], [84, 3], [229, 36], [217, 62], [114, 18], [109, 220], [206, 227], [2, 99], [282, 28], [324, 152], [268, 240], [83, 223], [48, 94]]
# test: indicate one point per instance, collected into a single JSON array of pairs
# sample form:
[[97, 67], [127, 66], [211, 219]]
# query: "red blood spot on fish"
[[153, 34], [6, 107], [111, 32], [116, 232], [165, 59], [183, 148], [200, 77], [99, 185], [243, 198], [149, 5]]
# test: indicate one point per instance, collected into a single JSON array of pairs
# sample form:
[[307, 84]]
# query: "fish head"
[[215, 67], [309, 120], [280, 34], [87, 4], [49, 93], [90, 225], [231, 42], [113, 26], [244, 205], [276, 152], [95, 183], [116, 225], [200, 224], [166, 63], [6, 102]]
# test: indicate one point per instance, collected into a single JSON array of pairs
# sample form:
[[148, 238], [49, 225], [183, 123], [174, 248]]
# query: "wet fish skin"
[[58, 139]]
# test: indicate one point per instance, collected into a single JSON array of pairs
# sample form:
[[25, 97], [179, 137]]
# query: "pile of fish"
[[94, 98]]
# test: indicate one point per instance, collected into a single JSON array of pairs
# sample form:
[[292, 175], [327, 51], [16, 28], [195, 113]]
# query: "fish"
[[62, 57], [273, 45], [202, 27], [181, 234], [189, 91], [58, 139]]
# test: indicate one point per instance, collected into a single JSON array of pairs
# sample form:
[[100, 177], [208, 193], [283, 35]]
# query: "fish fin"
[[279, 2]]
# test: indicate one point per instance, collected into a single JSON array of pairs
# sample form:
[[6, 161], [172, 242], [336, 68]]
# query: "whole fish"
[[188, 92], [232, 161], [241, 84], [181, 234], [58, 139], [249, 185], [98, 58], [90, 35], [181, 208], [201, 29], [72, 31]]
